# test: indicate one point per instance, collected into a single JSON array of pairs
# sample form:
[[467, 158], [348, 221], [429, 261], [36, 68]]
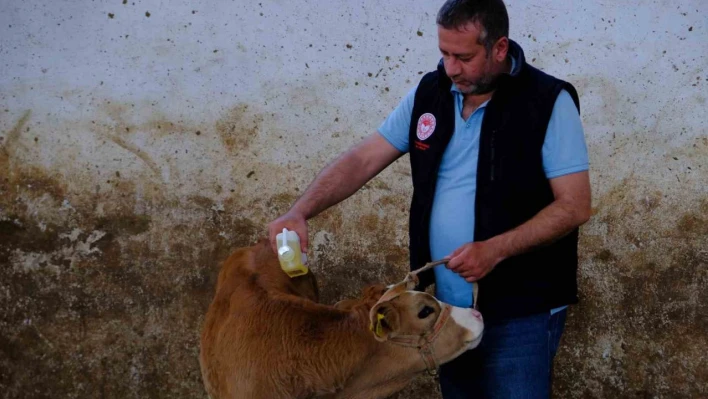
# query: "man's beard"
[[483, 86]]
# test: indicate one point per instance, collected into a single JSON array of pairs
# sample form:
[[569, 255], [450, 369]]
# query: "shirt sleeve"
[[395, 128], [564, 149]]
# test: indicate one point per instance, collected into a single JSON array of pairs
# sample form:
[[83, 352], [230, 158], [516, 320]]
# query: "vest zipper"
[[491, 169]]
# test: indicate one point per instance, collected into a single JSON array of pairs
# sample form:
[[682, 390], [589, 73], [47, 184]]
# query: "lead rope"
[[413, 277]]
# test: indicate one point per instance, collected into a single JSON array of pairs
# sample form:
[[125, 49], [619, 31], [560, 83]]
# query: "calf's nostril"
[[476, 314]]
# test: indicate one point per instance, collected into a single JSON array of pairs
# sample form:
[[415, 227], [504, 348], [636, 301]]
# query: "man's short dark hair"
[[491, 14]]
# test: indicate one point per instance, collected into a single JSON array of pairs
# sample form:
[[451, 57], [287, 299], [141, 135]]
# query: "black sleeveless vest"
[[511, 186]]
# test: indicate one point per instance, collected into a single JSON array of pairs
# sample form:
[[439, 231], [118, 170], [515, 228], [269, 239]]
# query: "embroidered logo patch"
[[426, 126]]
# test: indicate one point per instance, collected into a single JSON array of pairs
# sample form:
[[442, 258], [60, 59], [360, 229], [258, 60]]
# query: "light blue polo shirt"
[[452, 219]]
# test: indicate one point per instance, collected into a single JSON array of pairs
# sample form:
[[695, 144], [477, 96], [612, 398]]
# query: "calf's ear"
[[373, 292], [384, 320]]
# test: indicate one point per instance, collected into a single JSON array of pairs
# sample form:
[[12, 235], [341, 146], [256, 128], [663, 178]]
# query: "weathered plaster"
[[137, 151]]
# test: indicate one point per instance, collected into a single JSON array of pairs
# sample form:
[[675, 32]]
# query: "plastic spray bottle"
[[291, 259]]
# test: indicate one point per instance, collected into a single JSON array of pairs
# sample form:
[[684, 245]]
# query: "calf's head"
[[438, 330]]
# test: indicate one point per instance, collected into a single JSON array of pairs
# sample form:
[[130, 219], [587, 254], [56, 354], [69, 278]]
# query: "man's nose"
[[452, 66]]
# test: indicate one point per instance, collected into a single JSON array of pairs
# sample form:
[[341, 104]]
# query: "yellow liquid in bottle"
[[291, 262]]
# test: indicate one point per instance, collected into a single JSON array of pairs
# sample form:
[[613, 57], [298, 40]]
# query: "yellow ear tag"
[[379, 328]]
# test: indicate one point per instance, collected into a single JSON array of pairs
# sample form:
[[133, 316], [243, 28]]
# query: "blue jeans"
[[514, 360]]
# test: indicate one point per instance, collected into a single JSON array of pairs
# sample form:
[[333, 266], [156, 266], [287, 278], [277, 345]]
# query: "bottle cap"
[[284, 251]]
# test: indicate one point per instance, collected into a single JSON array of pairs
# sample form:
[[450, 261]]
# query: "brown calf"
[[266, 337]]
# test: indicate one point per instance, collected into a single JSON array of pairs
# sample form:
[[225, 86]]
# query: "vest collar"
[[444, 82], [517, 53]]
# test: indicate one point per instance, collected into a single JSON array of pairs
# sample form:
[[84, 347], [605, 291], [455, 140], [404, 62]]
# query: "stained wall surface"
[[141, 141]]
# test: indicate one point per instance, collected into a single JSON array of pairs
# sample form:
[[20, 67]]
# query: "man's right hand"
[[292, 221]]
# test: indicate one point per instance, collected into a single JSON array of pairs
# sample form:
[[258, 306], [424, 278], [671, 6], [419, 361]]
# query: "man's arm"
[[336, 182], [346, 174], [569, 210]]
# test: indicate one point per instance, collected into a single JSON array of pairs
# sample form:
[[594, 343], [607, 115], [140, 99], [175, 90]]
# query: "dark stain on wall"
[[103, 301], [239, 127], [15, 132], [644, 307]]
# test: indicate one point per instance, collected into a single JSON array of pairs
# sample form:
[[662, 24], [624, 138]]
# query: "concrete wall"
[[142, 140]]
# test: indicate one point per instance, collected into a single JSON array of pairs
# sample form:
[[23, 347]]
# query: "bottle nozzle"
[[284, 250]]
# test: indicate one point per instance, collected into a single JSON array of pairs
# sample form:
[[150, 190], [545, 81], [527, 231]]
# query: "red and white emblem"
[[426, 126]]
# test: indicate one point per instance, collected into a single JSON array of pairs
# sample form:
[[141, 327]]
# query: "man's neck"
[[475, 100]]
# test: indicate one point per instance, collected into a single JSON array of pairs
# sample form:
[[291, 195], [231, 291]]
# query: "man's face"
[[466, 61]]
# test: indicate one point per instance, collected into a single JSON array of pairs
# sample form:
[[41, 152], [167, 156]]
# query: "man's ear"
[[500, 49], [384, 320]]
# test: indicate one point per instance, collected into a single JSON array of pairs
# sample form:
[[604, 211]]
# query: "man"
[[500, 177]]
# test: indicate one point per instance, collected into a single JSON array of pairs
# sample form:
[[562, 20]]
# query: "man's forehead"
[[473, 27], [466, 36]]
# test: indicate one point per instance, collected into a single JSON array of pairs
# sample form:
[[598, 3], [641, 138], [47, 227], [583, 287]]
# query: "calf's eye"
[[425, 312]]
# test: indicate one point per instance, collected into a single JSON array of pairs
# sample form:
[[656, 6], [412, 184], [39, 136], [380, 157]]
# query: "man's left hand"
[[475, 260]]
